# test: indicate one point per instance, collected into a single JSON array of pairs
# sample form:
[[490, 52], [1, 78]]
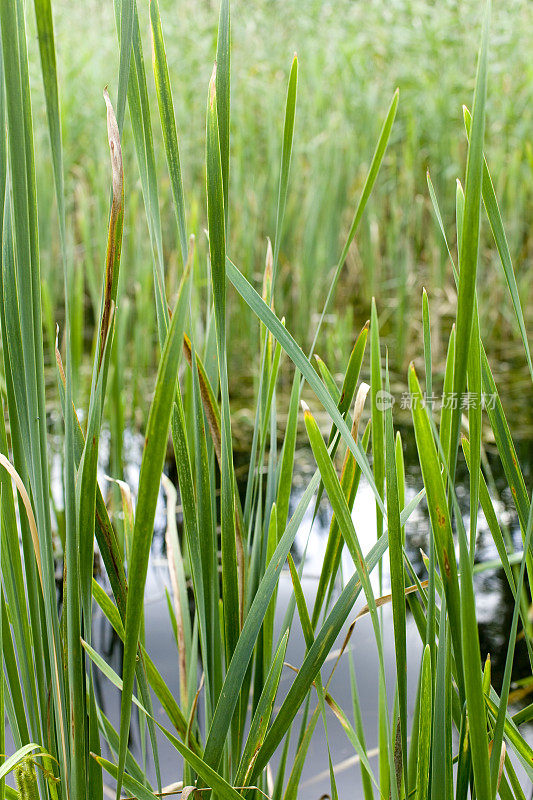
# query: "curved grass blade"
[[262, 714], [512, 735], [208, 775], [295, 353], [11, 762], [494, 216], [161, 690], [313, 661], [350, 476], [373, 171], [252, 625], [131, 784], [342, 512]]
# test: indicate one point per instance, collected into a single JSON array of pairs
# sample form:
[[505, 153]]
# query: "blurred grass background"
[[352, 55]]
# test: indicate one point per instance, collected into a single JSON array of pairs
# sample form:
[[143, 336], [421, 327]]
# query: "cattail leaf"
[[468, 255], [424, 735], [151, 468]]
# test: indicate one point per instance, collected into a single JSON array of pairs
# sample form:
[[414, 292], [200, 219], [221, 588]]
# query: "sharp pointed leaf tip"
[[213, 86], [115, 149], [269, 260], [305, 407]]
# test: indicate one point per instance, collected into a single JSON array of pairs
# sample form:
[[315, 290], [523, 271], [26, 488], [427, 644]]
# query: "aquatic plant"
[[227, 742]]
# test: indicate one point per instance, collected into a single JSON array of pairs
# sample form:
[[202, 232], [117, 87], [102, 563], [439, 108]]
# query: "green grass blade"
[[156, 681], [217, 251], [131, 784], [439, 515], [472, 667], [168, 123], [295, 353], [424, 736], [45, 32], [208, 775], [287, 458], [11, 762], [397, 578], [263, 712], [504, 443], [506, 683], [495, 220], [328, 379], [377, 416], [223, 97], [350, 477], [313, 661], [252, 625], [286, 152], [427, 349], [126, 38], [342, 512], [150, 476], [372, 175], [468, 256]]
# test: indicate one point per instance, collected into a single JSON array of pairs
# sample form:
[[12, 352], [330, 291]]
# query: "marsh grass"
[[227, 741], [344, 84]]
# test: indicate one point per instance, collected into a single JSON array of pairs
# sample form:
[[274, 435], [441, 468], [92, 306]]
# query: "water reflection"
[[493, 604]]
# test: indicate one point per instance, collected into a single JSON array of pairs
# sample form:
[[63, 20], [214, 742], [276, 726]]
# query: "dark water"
[[493, 606]]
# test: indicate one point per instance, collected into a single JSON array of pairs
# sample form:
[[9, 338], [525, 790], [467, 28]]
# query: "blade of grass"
[[217, 159], [424, 736], [168, 123], [494, 216], [397, 578], [295, 353], [439, 516], [151, 468], [468, 256]]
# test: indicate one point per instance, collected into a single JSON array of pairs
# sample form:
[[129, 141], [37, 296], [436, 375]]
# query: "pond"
[[493, 605]]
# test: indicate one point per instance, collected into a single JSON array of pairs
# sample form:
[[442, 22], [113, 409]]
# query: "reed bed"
[[351, 57], [225, 727]]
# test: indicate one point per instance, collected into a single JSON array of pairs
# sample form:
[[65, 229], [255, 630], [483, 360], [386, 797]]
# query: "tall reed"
[[227, 742]]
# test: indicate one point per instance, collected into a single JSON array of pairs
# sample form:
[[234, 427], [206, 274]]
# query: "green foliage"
[[47, 686]]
